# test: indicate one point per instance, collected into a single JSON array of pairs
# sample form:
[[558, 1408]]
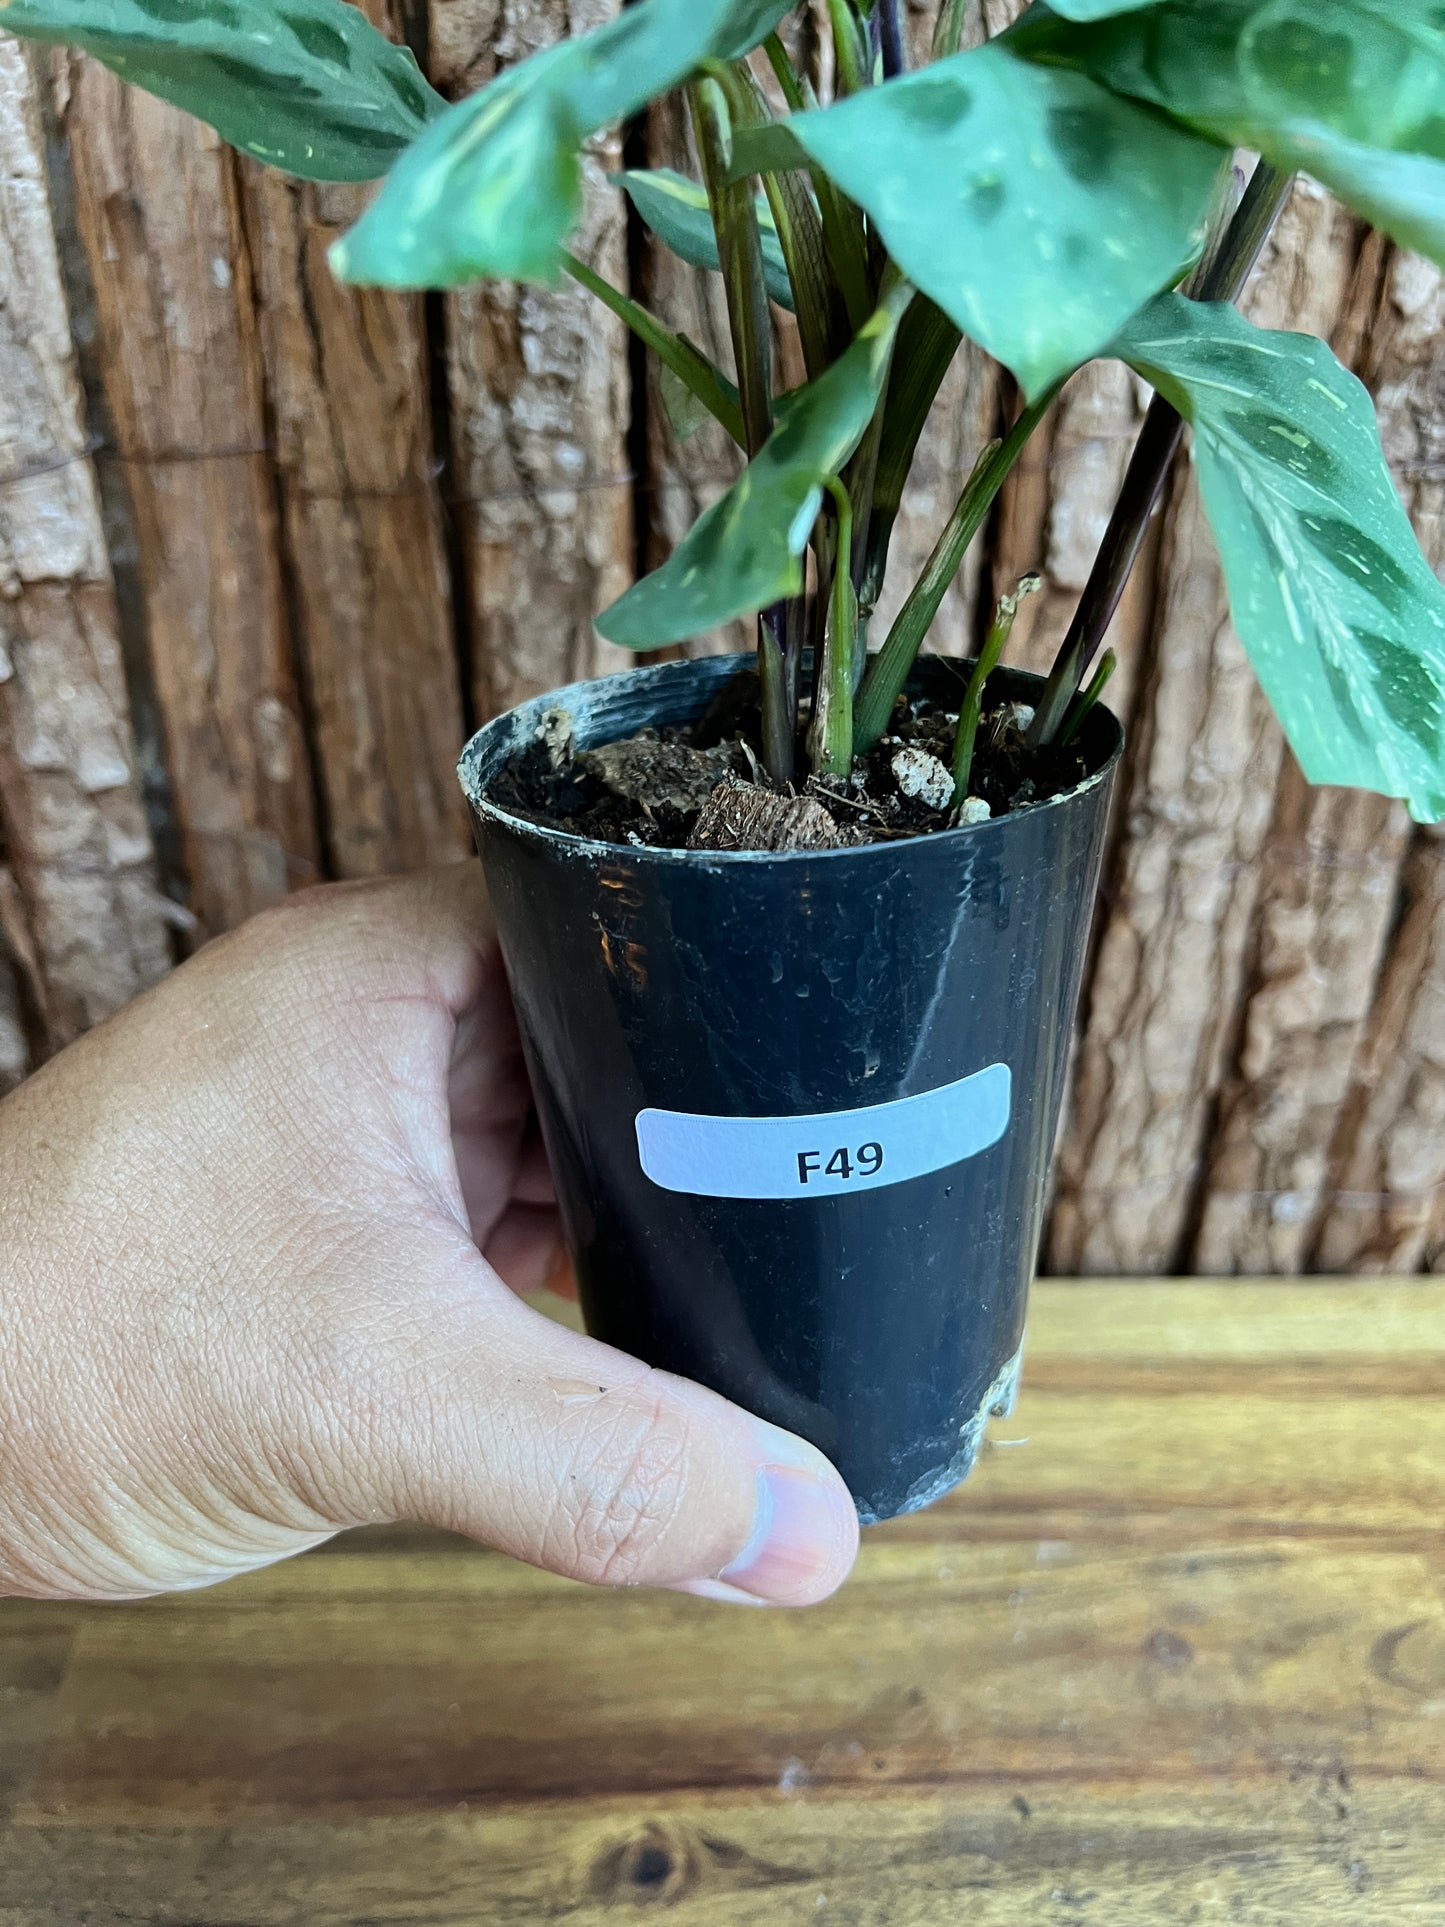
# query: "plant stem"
[[779, 713], [830, 741], [740, 253], [787, 75], [988, 661], [1230, 268], [927, 344], [1144, 481], [817, 301], [825, 561], [861, 477], [843, 231], [689, 364], [850, 49], [948, 33], [890, 37], [885, 680], [1159, 439], [795, 637], [1081, 705], [847, 246]]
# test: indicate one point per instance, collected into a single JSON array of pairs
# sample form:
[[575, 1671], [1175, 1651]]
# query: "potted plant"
[[796, 957]]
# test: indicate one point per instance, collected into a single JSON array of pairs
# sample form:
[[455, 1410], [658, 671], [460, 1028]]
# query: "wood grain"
[[348, 396], [1329, 872], [79, 848], [1175, 1654], [1388, 1207], [363, 538], [1327, 902], [1387, 1211], [1197, 806], [540, 404], [160, 217]]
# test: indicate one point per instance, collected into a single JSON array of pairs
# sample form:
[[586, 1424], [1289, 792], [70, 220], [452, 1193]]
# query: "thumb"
[[574, 1457]]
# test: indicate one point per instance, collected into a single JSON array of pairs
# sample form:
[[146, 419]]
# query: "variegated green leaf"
[[746, 551], [676, 209], [1099, 9], [1342, 617], [1036, 209], [495, 187], [1351, 91], [305, 85]]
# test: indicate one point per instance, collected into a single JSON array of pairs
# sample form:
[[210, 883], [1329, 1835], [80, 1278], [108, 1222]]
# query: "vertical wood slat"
[[1329, 878], [365, 556], [81, 867], [1197, 806], [1387, 1210], [348, 408], [159, 213], [540, 404]]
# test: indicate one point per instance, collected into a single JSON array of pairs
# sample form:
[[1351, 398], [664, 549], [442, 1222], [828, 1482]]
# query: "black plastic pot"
[[801, 1107]]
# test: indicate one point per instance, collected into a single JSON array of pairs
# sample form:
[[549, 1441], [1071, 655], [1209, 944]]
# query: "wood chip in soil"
[[700, 787]]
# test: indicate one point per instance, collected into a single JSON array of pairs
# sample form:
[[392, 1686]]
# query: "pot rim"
[[580, 694]]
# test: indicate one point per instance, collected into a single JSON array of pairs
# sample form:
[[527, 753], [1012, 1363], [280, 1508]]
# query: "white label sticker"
[[836, 1151]]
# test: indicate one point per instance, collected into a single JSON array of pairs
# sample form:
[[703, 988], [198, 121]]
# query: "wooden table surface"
[[1175, 1654]]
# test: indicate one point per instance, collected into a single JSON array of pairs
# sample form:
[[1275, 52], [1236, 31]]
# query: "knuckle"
[[625, 1485], [306, 916], [280, 925]]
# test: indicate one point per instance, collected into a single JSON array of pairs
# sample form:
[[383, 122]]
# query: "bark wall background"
[[269, 547]]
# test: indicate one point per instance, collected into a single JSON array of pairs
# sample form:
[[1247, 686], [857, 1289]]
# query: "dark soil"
[[701, 786]]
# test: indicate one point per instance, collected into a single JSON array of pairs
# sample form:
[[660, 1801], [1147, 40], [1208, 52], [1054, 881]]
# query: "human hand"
[[253, 1239]]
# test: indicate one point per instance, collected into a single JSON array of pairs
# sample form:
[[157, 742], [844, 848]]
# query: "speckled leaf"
[[305, 85], [1351, 91], [746, 551], [741, 24], [1342, 617], [676, 209], [495, 187], [1099, 9], [1037, 209]]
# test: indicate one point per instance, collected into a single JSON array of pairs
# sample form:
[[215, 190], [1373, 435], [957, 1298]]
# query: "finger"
[[429, 937], [574, 1457], [490, 1104]]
